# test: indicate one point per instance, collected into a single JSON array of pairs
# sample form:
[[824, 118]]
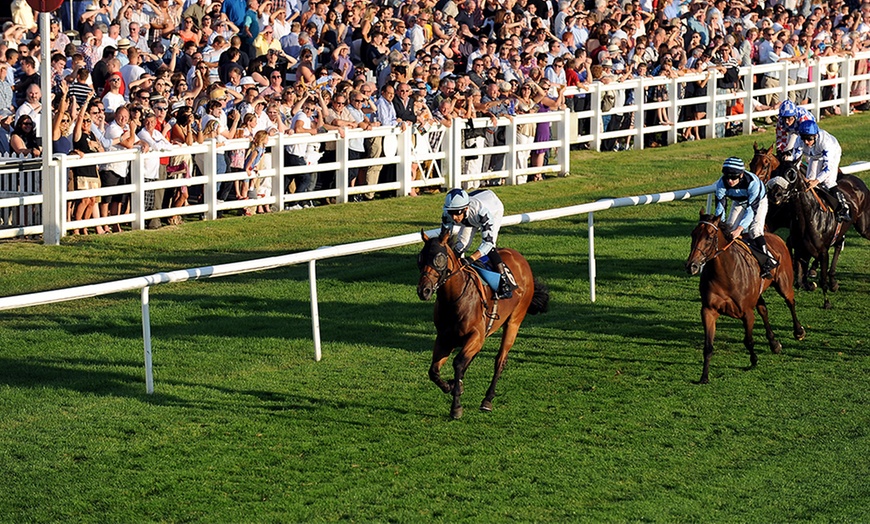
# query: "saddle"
[[827, 199], [760, 256]]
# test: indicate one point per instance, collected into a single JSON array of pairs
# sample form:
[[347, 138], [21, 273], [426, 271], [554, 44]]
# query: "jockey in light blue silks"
[[822, 152], [791, 116], [749, 207], [481, 211]]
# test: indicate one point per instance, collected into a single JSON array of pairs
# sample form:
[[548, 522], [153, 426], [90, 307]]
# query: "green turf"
[[598, 417]]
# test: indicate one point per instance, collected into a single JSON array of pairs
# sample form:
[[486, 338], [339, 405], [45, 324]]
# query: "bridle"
[[438, 265], [716, 250]]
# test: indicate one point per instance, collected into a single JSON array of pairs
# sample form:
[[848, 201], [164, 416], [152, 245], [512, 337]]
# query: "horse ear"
[[703, 212], [770, 151], [445, 235], [424, 235], [755, 146]]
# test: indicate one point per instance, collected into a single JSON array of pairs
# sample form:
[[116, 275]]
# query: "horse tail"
[[540, 299]]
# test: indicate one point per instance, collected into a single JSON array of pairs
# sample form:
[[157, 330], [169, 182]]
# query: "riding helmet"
[[787, 109], [733, 167], [808, 128], [456, 200]]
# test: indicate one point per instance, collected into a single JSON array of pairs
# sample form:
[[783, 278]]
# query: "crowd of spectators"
[[159, 74]]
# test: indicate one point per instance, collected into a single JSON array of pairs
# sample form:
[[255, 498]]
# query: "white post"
[[50, 178], [592, 256], [563, 128], [146, 335], [315, 315]]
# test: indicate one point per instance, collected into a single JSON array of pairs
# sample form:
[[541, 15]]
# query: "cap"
[[6, 112]]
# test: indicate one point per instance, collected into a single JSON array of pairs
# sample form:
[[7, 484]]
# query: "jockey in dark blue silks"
[[748, 209], [481, 211]]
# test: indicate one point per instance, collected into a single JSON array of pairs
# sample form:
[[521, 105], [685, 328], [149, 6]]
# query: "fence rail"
[[441, 154]]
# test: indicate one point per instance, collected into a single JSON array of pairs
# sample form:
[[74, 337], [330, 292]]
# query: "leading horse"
[[814, 228], [466, 313], [731, 285]]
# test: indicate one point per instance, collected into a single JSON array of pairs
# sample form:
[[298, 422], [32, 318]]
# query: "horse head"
[[436, 263], [705, 242], [784, 187], [764, 162]]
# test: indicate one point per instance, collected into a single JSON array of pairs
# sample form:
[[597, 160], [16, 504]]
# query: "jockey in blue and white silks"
[[787, 134], [822, 152], [480, 211], [748, 208]]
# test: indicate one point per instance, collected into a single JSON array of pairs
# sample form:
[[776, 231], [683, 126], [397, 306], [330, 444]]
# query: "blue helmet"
[[456, 200], [733, 167], [787, 109], [808, 128]]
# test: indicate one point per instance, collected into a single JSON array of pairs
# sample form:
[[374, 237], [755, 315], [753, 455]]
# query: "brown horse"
[[466, 313], [764, 163], [731, 285]]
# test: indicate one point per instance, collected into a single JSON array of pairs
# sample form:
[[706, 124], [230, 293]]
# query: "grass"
[[598, 416]]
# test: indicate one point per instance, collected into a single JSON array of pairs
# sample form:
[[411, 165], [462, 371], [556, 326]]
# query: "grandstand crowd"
[[163, 74]]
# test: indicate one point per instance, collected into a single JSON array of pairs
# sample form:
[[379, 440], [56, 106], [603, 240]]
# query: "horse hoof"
[[827, 304], [486, 406], [835, 287], [456, 414], [776, 347], [704, 380], [800, 334]]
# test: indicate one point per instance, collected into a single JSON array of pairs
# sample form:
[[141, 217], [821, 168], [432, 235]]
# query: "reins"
[[492, 317], [716, 248]]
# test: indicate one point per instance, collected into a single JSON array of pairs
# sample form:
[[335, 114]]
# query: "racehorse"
[[766, 165], [814, 228], [466, 313], [731, 285]]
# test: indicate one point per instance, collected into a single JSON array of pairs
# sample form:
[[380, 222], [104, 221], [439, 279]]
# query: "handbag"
[[237, 158]]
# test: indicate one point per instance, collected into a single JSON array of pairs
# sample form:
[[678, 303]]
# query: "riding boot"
[[506, 284], [843, 208], [770, 262]]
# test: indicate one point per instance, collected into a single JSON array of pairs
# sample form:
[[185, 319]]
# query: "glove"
[[466, 261]]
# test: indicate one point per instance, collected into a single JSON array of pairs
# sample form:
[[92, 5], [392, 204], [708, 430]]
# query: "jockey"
[[749, 208], [482, 211], [823, 152], [790, 117]]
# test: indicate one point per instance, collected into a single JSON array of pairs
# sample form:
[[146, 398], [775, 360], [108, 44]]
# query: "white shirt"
[[156, 142]]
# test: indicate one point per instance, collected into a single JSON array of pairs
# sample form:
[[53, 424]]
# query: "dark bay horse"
[[814, 228], [766, 165], [731, 285], [466, 314]]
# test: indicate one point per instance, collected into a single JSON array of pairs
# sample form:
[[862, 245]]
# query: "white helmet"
[[456, 200]]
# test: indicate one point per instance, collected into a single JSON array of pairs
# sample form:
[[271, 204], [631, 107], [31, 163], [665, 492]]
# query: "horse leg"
[[708, 318], [774, 344], [507, 341], [748, 340], [783, 286], [439, 356], [832, 270], [460, 364], [823, 278]]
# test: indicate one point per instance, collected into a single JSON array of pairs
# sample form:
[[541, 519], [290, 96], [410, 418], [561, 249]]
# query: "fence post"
[[510, 161], [278, 186], [455, 151], [137, 200], [639, 101], [674, 110], [53, 208], [595, 125], [209, 191], [315, 313], [748, 106], [404, 169], [712, 90], [342, 174], [591, 222], [563, 127], [817, 90], [846, 89], [146, 336]]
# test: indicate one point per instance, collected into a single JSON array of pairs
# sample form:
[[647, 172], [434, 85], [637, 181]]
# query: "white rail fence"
[[144, 283], [408, 153]]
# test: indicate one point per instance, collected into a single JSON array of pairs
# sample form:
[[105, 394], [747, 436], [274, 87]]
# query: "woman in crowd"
[[23, 140], [86, 177]]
